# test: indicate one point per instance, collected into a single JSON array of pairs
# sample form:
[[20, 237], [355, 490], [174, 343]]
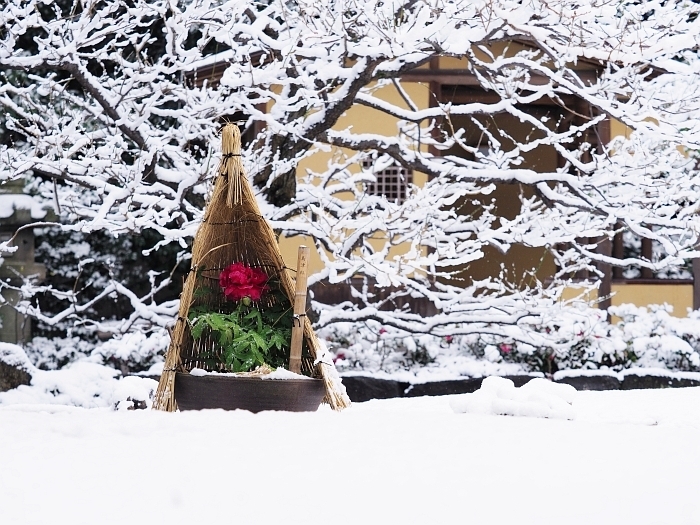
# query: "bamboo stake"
[[299, 310]]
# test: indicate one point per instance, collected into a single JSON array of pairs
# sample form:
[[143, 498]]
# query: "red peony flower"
[[239, 281]]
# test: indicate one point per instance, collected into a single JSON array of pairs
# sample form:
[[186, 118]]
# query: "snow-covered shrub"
[[369, 347], [84, 384], [583, 338], [655, 338], [578, 338], [128, 353], [133, 352], [55, 353], [81, 383]]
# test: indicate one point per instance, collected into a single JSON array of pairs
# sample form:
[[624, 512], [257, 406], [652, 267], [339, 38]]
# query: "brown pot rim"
[[221, 377]]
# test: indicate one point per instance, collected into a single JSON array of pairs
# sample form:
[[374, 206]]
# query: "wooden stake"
[[299, 310]]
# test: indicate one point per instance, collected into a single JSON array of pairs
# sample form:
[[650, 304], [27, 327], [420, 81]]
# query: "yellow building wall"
[[679, 296], [575, 293], [618, 129], [361, 119]]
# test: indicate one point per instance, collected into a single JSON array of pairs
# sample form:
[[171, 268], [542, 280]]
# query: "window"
[[392, 182]]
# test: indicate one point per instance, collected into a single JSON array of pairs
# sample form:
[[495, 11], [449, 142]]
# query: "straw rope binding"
[[231, 165]]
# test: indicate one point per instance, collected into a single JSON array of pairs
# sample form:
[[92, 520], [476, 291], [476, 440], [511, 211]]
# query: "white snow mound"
[[537, 398], [14, 355], [82, 384]]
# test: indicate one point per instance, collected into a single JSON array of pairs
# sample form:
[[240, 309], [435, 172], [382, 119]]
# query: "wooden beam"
[[464, 77], [696, 284], [459, 94], [618, 251], [605, 288], [647, 273]]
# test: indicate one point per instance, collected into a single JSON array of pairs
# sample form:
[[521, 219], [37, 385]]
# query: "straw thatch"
[[233, 230]]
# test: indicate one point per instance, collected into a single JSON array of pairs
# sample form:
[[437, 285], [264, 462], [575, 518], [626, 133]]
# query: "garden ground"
[[627, 457]]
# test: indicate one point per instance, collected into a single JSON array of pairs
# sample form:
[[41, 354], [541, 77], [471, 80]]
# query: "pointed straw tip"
[[231, 140]]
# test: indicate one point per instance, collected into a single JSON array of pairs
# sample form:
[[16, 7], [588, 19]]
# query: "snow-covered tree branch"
[[103, 107]]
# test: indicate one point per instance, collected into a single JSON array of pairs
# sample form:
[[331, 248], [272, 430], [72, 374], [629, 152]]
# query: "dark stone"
[[635, 382], [132, 404], [591, 382], [247, 393], [520, 380], [683, 382], [444, 388], [363, 388], [154, 377], [12, 377]]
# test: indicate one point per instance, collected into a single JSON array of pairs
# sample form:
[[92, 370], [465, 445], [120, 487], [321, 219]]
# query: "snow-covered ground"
[[627, 457]]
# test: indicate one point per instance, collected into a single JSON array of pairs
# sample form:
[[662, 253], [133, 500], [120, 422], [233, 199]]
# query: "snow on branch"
[[104, 110]]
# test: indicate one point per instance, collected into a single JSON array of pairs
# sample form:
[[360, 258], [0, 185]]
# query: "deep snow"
[[628, 457]]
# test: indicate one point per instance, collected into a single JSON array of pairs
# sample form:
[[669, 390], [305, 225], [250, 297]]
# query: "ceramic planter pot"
[[247, 393]]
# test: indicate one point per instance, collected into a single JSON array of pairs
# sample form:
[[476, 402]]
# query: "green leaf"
[[259, 341], [278, 341], [197, 329], [225, 336]]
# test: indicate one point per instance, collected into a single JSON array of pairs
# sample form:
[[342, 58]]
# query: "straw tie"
[[232, 165]]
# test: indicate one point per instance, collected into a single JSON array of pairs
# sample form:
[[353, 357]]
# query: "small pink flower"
[[382, 331], [448, 339], [506, 349], [339, 357]]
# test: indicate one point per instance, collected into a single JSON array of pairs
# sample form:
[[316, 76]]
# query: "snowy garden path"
[[629, 457]]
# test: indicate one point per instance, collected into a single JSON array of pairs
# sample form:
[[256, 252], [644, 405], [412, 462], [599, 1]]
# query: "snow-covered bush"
[[655, 338], [81, 383], [54, 353], [138, 351], [581, 338], [133, 352]]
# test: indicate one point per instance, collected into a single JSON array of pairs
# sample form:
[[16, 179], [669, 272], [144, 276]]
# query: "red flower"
[[238, 281]]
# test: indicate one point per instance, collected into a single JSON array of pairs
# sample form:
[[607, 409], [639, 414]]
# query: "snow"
[[81, 384], [13, 355], [536, 398], [11, 202], [281, 373], [627, 457], [636, 371]]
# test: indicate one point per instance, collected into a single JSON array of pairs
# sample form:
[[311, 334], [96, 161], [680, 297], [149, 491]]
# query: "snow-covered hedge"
[[129, 353], [581, 338]]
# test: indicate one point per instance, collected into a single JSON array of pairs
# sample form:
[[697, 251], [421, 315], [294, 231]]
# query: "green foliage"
[[249, 337]]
